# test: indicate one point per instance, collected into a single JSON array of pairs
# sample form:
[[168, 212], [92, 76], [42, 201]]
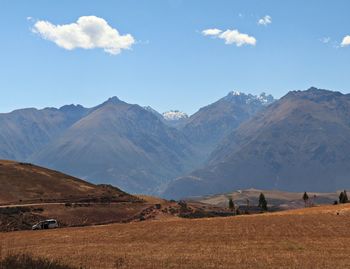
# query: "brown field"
[[306, 238]]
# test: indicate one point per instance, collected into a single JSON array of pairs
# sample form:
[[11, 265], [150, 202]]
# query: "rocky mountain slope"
[[207, 127]]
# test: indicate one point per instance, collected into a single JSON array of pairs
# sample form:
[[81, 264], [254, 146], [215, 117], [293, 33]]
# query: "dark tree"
[[343, 197], [247, 207], [231, 204], [262, 202], [183, 206], [305, 198]]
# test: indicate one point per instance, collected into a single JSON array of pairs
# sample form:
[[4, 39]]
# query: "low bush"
[[13, 210], [26, 261]]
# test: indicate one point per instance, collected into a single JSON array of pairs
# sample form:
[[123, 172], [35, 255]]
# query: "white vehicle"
[[46, 224]]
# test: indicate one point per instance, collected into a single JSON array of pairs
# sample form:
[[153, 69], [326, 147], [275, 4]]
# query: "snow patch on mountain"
[[262, 98], [174, 115]]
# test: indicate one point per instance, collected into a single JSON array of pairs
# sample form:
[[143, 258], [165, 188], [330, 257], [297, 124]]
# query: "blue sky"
[[171, 64]]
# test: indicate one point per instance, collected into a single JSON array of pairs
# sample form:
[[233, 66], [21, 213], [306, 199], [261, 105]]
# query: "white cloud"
[[346, 41], [211, 32], [265, 20], [88, 32], [231, 37]]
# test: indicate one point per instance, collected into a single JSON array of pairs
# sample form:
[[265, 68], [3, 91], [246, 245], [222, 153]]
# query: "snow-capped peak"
[[263, 98], [236, 93], [174, 115]]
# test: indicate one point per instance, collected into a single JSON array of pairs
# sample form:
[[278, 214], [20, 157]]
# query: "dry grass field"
[[309, 238]]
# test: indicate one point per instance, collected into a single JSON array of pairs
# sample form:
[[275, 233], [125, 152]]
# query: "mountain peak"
[[113, 100], [236, 93], [314, 94], [71, 108]]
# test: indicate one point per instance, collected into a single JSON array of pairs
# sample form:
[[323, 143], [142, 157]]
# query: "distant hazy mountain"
[[207, 127], [25, 131], [129, 146], [123, 144], [299, 143], [172, 118]]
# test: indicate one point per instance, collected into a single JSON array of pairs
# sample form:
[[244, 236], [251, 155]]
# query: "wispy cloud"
[[211, 32], [88, 32], [265, 20], [230, 37], [325, 40], [346, 41]]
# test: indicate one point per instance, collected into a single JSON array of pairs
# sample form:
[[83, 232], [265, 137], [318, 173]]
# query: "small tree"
[[305, 198], [231, 204], [247, 207], [262, 202], [343, 197]]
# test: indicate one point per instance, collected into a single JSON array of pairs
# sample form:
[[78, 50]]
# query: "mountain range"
[[120, 144], [299, 143], [296, 143]]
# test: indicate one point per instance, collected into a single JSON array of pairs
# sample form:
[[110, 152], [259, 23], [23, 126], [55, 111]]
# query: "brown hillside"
[[26, 183]]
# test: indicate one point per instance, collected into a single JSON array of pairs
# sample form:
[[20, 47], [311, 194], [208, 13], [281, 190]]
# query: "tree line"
[[262, 204], [343, 198]]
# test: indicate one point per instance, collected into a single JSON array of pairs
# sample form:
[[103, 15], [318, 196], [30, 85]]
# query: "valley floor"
[[306, 238]]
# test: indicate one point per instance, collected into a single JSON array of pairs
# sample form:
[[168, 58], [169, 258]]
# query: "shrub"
[[305, 198], [183, 206], [14, 210], [343, 197], [26, 261]]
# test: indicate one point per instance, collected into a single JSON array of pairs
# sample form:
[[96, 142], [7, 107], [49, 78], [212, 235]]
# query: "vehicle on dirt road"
[[46, 224]]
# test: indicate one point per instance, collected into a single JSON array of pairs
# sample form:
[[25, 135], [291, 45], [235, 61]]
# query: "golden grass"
[[309, 238]]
